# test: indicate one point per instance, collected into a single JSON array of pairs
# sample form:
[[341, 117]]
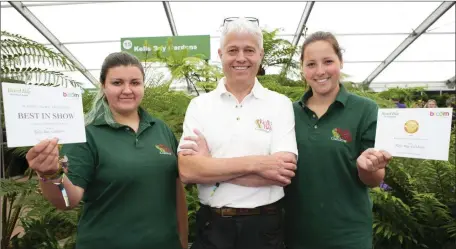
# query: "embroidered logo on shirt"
[[164, 150], [264, 125], [341, 135]]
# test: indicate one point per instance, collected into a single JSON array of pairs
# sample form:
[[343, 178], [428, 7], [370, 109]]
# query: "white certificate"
[[422, 133], [35, 113]]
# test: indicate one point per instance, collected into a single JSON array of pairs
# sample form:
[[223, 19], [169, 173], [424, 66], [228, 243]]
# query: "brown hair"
[[119, 59], [322, 36]]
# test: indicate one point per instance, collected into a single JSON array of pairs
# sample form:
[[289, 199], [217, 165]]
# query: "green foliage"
[[377, 97], [408, 96], [207, 73], [54, 230], [193, 206], [273, 83], [393, 221], [207, 86], [87, 98], [442, 99], [22, 61], [43, 224], [192, 69], [169, 106], [274, 79], [295, 89], [419, 211], [278, 52]]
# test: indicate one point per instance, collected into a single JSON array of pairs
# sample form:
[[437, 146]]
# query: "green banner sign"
[[144, 47]]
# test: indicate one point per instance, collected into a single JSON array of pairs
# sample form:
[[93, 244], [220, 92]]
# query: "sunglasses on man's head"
[[250, 19]]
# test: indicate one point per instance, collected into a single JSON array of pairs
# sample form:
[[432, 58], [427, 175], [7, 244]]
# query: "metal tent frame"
[[300, 29]]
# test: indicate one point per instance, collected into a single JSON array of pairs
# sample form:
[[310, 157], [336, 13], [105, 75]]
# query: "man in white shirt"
[[239, 146]]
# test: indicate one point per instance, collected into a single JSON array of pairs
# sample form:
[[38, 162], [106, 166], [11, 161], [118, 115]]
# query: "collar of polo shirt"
[[258, 91], [342, 96], [143, 117]]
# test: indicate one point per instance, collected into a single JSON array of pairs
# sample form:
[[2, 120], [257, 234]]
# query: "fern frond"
[[393, 220], [22, 60], [451, 229], [430, 209], [39, 207], [19, 48], [12, 187], [38, 76]]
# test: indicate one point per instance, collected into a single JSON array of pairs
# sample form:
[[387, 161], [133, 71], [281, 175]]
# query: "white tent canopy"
[[388, 44]]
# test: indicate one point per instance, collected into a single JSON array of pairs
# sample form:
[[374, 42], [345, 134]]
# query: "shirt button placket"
[[238, 124], [315, 121], [238, 112]]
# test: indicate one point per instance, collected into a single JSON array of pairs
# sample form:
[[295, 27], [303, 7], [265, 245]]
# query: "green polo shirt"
[[326, 205], [130, 185]]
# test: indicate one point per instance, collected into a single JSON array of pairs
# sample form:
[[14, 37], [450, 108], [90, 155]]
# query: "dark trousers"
[[262, 231]]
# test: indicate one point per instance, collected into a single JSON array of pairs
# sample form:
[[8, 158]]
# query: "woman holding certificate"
[[126, 173], [327, 203]]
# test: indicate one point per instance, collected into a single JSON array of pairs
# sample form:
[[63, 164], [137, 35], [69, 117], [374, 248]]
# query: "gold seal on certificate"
[[411, 126]]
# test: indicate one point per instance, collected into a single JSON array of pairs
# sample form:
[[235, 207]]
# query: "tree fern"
[[27, 204], [24, 60], [12, 193], [394, 223], [433, 216], [278, 52], [182, 66], [13, 187], [207, 86]]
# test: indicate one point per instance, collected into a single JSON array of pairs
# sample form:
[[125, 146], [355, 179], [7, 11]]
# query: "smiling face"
[[124, 88], [241, 57], [321, 67]]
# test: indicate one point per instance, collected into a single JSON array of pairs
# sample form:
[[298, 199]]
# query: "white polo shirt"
[[261, 125]]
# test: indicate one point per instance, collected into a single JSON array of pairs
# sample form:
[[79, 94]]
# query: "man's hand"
[[372, 160], [198, 147], [275, 170], [258, 179], [279, 168]]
